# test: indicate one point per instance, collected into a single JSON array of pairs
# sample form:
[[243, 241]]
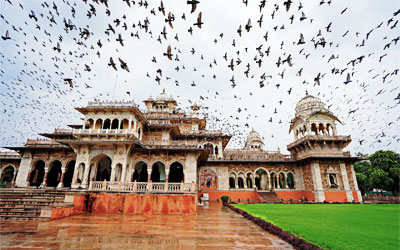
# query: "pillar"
[[46, 172], [353, 175], [113, 170], [349, 193], [61, 183], [318, 188], [86, 175], [123, 173]]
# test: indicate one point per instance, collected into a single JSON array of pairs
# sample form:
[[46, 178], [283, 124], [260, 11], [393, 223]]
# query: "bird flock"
[[246, 63]]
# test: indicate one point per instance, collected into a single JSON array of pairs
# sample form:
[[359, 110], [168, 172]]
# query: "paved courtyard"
[[215, 227]]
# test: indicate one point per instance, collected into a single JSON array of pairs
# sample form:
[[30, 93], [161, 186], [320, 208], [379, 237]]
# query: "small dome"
[[253, 136], [309, 104], [162, 97]]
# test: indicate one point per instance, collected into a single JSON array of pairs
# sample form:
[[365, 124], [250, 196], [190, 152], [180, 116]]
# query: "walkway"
[[214, 227]]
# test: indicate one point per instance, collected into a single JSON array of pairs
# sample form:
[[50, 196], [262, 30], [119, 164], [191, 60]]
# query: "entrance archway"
[[54, 175], [103, 169], [8, 174], [140, 173], [69, 174], [262, 179], [208, 180], [158, 172], [37, 174], [176, 172]]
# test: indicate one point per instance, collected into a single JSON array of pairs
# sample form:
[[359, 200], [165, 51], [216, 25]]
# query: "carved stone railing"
[[115, 132], [321, 137], [142, 187], [248, 155], [171, 143]]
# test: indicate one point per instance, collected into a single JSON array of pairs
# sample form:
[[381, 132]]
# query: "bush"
[[225, 198]]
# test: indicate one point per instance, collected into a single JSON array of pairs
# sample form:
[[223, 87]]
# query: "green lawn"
[[335, 226]]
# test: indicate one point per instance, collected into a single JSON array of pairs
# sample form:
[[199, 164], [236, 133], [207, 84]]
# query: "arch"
[[263, 179], [118, 172], [321, 129], [176, 172], [69, 173], [54, 174], [240, 182], [209, 146], [7, 175], [158, 172], [114, 124], [98, 124], [124, 124], [274, 180], [37, 173], [282, 180], [290, 180], [249, 180], [232, 183], [140, 174], [89, 123], [314, 130], [208, 179], [103, 169], [107, 124]]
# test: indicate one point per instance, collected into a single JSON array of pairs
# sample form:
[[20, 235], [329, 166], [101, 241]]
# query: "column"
[[86, 175], [318, 188], [353, 175], [61, 183], [113, 170], [349, 193], [124, 167], [28, 178], [46, 172]]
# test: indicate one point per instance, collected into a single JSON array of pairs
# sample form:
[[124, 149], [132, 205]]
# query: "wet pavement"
[[214, 227]]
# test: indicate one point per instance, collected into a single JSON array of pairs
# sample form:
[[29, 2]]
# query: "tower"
[[253, 142]]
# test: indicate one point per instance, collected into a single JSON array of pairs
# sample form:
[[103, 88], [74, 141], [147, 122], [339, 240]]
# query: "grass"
[[335, 226]]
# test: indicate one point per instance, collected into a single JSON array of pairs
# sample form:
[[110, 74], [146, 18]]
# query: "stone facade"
[[118, 142]]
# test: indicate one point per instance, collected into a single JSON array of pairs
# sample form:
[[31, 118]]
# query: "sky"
[[362, 40]]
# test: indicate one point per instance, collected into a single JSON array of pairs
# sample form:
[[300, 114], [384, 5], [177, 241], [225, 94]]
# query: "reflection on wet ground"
[[214, 227]]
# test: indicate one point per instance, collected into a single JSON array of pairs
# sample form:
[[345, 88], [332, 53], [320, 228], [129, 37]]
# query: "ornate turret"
[[162, 103], [314, 129], [254, 141]]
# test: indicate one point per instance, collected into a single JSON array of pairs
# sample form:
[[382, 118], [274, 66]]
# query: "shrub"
[[225, 198]]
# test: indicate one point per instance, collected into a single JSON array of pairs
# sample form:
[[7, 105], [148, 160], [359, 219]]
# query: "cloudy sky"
[[361, 40]]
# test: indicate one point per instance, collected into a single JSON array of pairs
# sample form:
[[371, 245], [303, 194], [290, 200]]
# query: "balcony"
[[247, 155], [142, 187], [346, 138], [171, 143], [127, 133]]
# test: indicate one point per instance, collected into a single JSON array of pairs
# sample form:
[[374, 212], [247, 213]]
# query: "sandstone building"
[[119, 147]]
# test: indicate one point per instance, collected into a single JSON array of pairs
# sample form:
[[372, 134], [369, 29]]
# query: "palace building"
[[119, 148]]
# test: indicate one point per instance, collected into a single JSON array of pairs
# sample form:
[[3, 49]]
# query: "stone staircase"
[[268, 197], [27, 204]]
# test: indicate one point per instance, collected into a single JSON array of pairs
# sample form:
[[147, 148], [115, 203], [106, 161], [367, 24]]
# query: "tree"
[[363, 170], [385, 171]]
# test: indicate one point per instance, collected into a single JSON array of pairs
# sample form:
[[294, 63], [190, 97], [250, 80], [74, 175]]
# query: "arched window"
[[114, 124], [69, 173], [274, 181], [89, 124], [240, 182], [54, 175], [107, 124], [124, 124], [321, 129], [176, 172], [290, 180], [282, 180], [232, 182], [314, 130], [209, 146], [99, 124], [249, 181], [37, 174], [140, 173], [208, 180], [216, 150], [103, 169], [8, 174], [139, 133], [81, 172], [158, 172]]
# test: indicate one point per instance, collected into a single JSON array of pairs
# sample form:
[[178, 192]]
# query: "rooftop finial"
[[163, 90], [306, 92]]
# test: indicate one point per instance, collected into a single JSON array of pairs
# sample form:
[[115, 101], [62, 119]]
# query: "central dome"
[[162, 97], [309, 104], [253, 136]]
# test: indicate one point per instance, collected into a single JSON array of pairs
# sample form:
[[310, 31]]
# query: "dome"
[[309, 104], [253, 136], [162, 97]]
